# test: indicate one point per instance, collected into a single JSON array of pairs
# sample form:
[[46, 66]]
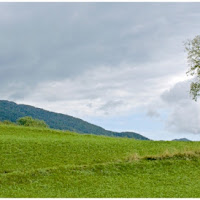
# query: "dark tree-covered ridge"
[[12, 111]]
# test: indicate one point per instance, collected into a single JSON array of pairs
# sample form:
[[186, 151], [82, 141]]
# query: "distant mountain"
[[12, 111], [181, 139]]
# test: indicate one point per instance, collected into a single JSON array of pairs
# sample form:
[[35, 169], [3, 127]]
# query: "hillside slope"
[[12, 111], [48, 163]]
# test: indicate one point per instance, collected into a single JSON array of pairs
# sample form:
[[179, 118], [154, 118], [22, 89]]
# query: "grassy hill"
[[12, 111], [48, 163]]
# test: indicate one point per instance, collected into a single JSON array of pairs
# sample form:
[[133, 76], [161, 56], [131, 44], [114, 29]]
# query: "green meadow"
[[42, 162]]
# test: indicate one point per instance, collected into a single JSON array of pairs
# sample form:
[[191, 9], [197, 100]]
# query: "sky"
[[121, 66]]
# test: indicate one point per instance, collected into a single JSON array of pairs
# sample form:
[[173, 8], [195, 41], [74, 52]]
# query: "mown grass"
[[49, 163]]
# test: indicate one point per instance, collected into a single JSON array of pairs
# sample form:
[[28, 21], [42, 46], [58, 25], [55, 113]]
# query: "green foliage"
[[12, 111], [29, 121], [7, 122], [193, 49], [38, 162]]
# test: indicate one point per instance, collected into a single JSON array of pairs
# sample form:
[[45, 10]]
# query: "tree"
[[193, 49], [29, 121]]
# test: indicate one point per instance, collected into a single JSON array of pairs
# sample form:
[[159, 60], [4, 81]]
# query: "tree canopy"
[[193, 49]]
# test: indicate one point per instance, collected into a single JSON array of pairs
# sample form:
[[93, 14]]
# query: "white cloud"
[[153, 113], [185, 112], [107, 90]]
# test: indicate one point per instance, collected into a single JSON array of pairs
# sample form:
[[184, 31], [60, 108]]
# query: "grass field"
[[48, 163]]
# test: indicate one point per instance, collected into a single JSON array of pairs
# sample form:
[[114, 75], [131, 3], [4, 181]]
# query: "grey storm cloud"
[[54, 41]]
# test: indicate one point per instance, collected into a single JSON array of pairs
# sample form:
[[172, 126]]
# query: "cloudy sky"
[[118, 65]]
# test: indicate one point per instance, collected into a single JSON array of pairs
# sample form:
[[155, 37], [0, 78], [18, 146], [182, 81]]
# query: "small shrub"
[[29, 121], [7, 122]]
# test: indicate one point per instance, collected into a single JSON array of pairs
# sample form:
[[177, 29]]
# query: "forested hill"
[[182, 139], [12, 111]]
